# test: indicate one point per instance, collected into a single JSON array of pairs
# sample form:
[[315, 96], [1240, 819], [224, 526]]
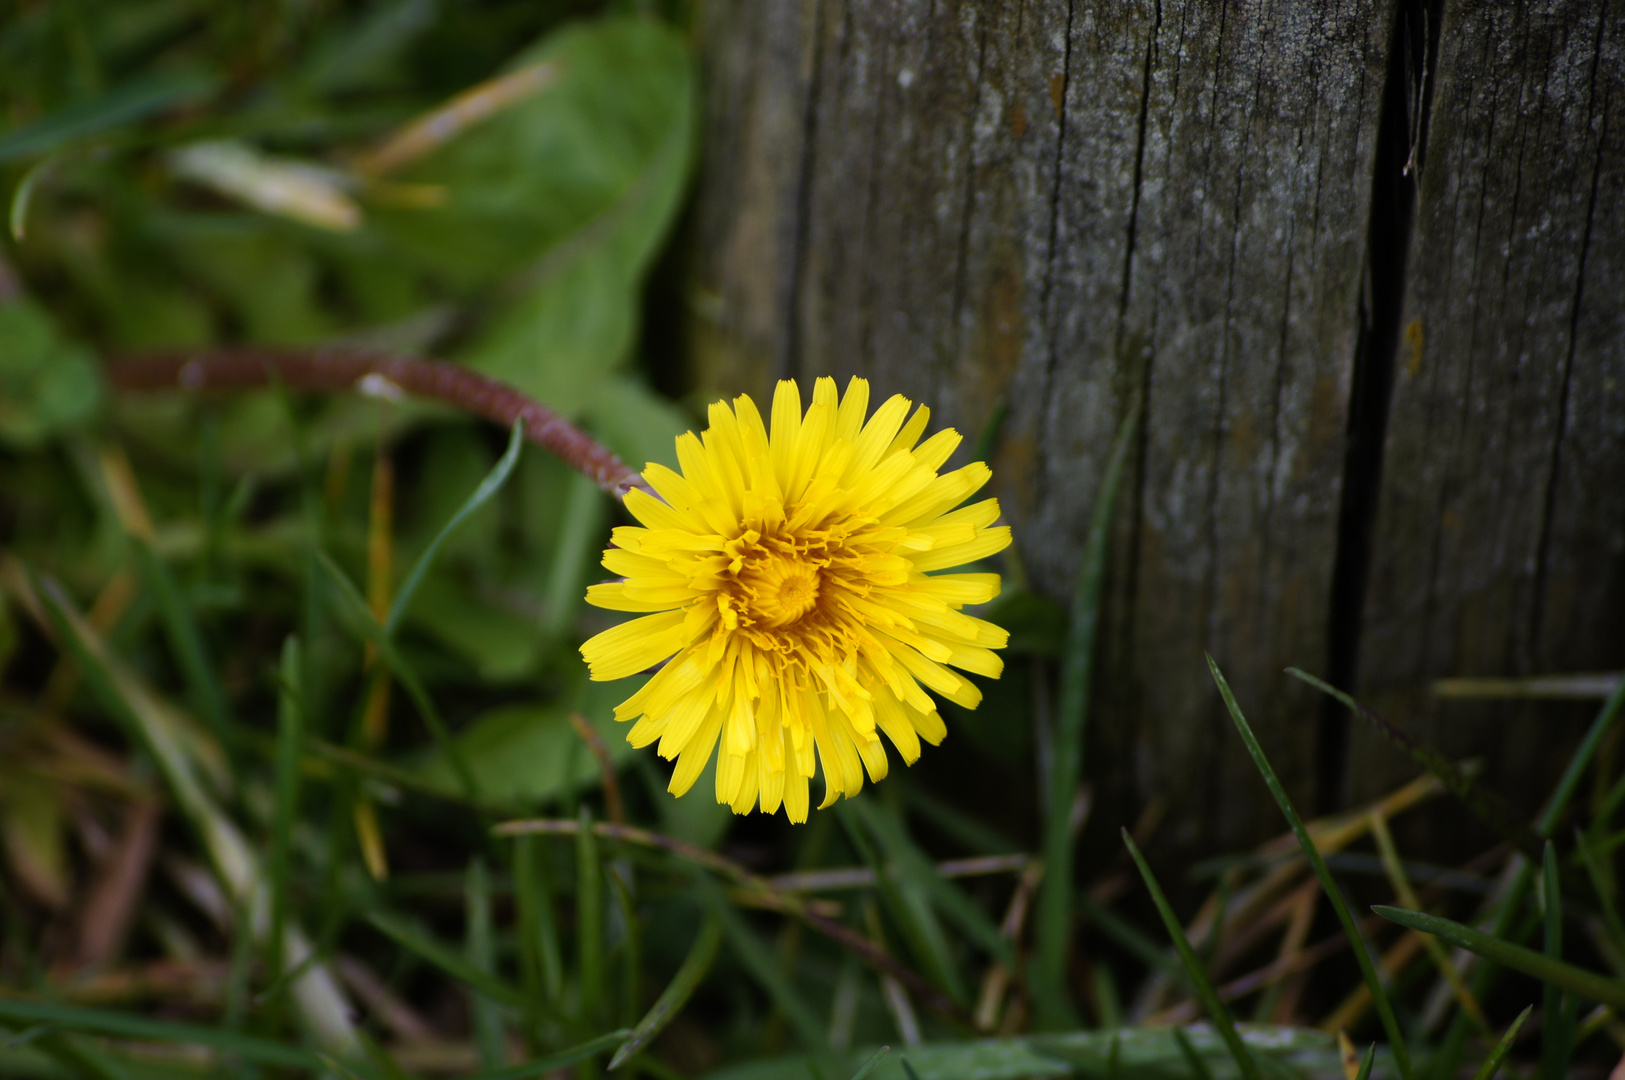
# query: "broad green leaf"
[[525, 753], [571, 190], [637, 423], [47, 383], [259, 272], [501, 645]]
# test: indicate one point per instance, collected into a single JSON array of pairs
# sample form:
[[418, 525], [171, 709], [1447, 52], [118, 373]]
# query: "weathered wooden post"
[[1364, 262]]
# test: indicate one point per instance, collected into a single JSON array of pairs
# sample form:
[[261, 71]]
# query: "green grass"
[[384, 849]]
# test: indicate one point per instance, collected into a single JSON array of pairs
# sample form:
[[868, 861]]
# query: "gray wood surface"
[[1062, 206], [1501, 521]]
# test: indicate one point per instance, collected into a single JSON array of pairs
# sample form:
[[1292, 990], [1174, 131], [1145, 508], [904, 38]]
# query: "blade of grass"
[[869, 1066], [918, 868], [580, 535], [910, 908], [310, 502], [1198, 1067], [122, 1025], [1581, 759], [677, 992], [559, 1060], [1053, 915], [759, 962], [589, 915], [191, 655], [1107, 997], [152, 722], [1575, 980], [380, 1059], [619, 874], [290, 720], [122, 106], [538, 932], [1379, 995], [425, 947], [1485, 803], [361, 615], [1557, 1040], [1605, 895], [1366, 1063], [1407, 896], [83, 1057], [1197, 974], [482, 494], [1492, 1064], [1446, 1060], [1128, 937], [488, 1034]]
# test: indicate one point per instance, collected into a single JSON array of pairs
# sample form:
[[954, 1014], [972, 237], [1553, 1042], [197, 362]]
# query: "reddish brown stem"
[[380, 373]]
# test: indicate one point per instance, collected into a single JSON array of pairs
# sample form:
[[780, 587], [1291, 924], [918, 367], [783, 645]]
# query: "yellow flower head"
[[791, 576]]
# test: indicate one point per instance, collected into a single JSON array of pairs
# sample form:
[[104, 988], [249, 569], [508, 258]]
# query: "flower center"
[[779, 590]]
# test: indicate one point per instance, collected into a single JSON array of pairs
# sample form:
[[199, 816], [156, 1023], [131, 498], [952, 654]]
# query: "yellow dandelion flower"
[[790, 577]]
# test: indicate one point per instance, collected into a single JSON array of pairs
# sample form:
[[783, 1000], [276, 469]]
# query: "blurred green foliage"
[[244, 808]]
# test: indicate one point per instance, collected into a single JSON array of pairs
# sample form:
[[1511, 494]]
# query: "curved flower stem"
[[384, 375]]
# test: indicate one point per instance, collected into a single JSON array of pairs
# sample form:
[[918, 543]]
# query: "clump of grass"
[[272, 808]]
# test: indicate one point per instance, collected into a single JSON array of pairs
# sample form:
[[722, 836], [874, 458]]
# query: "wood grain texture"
[[1501, 523], [1064, 206]]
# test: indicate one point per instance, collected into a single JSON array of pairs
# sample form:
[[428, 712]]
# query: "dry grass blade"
[[1407, 896], [1550, 687], [606, 767], [433, 129], [111, 904], [174, 745]]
